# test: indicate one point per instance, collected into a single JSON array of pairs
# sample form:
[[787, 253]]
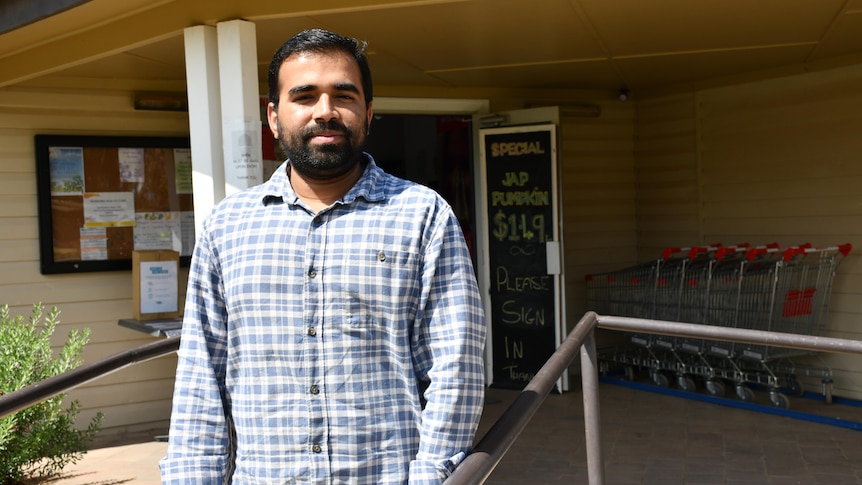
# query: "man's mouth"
[[329, 136]]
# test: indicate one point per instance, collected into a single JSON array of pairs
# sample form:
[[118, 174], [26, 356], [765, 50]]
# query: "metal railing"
[[50, 387], [489, 451]]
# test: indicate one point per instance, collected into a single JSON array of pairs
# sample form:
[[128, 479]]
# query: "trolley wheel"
[[715, 388], [659, 379], [744, 393], [794, 387], [779, 400], [685, 383], [827, 390]]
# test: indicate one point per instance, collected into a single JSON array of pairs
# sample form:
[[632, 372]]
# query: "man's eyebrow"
[[347, 87], [305, 88], [301, 89]]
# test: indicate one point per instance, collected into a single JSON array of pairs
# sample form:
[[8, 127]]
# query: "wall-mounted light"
[[624, 94], [157, 101]]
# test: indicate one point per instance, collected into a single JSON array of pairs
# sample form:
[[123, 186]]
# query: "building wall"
[[597, 170], [667, 175], [135, 399], [771, 161], [597, 177], [767, 162]]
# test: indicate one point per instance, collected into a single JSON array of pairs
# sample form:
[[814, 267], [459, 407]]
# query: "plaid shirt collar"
[[368, 187]]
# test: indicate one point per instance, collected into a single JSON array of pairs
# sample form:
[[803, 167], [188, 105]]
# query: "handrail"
[[730, 334], [42, 390], [489, 451], [478, 465]]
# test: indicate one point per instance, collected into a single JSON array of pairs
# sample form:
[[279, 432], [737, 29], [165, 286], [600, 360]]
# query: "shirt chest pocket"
[[372, 286]]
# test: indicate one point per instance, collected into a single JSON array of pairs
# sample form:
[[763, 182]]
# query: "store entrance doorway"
[[434, 151]]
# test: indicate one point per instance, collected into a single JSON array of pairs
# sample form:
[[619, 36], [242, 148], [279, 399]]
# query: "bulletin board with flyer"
[[101, 198]]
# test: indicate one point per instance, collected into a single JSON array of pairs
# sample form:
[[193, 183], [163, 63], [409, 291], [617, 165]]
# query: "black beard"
[[325, 161]]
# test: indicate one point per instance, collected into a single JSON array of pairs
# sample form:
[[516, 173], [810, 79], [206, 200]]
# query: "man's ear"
[[272, 119], [370, 117]]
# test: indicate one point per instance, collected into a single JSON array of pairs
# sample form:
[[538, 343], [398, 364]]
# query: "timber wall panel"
[[775, 161], [92, 300], [598, 197], [667, 175]]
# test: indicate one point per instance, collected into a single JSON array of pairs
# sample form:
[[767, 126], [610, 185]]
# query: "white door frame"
[[524, 117]]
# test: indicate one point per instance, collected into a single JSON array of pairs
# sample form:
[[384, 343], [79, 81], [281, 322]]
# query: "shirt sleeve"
[[449, 342], [198, 443]]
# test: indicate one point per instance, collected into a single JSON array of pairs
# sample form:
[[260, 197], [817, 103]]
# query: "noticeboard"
[[102, 197], [521, 192]]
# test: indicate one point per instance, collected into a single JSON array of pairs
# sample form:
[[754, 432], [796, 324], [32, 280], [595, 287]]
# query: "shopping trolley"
[[629, 292], [739, 296], [652, 290], [762, 288], [793, 295]]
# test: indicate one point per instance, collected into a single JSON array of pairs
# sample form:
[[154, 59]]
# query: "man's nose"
[[324, 109]]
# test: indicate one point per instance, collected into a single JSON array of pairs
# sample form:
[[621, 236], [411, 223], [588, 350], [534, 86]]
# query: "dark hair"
[[320, 41]]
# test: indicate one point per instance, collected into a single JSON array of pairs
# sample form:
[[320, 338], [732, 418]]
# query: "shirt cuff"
[[199, 470], [431, 473]]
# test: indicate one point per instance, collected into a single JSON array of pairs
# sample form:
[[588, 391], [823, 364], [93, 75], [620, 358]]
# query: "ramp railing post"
[[592, 417]]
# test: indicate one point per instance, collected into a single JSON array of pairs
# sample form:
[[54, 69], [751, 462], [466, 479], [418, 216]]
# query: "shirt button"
[[381, 256], [315, 389], [316, 448], [312, 273], [312, 331]]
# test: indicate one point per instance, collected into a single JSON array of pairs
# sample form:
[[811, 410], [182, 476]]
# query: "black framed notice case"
[[103, 197]]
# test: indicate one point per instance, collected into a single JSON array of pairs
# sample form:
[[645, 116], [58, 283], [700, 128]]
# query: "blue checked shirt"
[[305, 335]]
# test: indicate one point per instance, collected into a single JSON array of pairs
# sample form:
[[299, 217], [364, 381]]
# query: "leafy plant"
[[42, 439]]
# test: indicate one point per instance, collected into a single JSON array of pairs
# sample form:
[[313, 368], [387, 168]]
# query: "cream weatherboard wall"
[[598, 194], [667, 175], [135, 399], [597, 179], [770, 161]]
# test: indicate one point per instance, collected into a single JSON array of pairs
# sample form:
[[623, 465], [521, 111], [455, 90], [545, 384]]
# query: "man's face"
[[321, 119]]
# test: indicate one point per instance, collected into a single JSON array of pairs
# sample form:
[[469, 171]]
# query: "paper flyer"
[[67, 170], [183, 170], [159, 292], [131, 164], [109, 209], [158, 230]]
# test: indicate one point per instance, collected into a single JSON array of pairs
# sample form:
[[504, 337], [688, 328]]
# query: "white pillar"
[[240, 105], [205, 126]]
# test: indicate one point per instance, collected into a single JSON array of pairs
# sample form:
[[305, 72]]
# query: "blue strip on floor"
[[835, 400], [738, 404]]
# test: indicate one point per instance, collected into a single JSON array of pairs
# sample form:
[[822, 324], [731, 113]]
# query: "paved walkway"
[[653, 438], [648, 438], [135, 464]]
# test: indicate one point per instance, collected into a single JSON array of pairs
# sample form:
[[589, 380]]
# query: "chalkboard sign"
[[521, 192]]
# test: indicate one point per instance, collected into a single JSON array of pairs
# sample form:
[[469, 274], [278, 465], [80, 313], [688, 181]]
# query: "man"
[[319, 301]]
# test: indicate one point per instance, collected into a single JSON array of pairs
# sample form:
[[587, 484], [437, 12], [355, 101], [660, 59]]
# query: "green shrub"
[[40, 440]]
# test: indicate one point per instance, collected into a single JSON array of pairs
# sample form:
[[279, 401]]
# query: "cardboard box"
[[155, 284]]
